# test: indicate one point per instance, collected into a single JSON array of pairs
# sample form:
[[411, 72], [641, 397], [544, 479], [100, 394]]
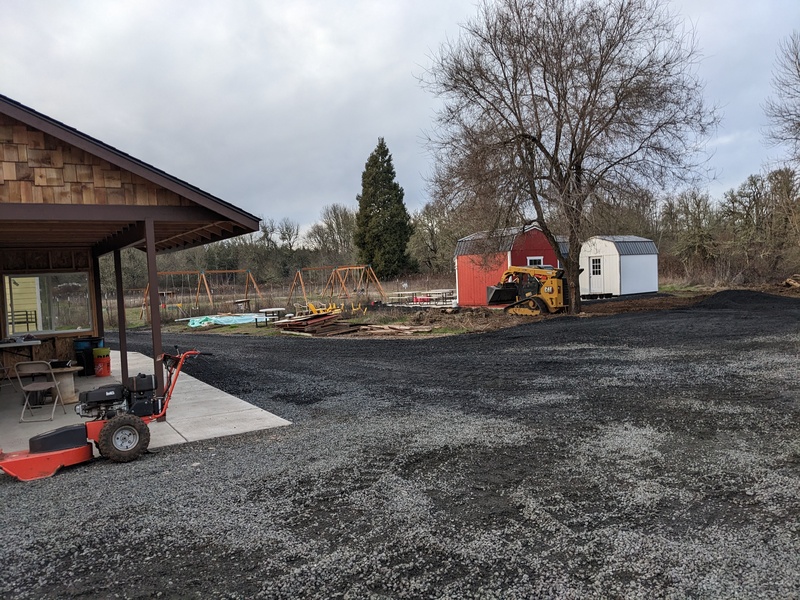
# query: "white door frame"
[[596, 275]]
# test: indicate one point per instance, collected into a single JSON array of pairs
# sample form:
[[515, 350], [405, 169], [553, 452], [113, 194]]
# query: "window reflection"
[[50, 302]]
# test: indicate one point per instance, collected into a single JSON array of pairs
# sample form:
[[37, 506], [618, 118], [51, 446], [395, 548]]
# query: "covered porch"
[[197, 411]]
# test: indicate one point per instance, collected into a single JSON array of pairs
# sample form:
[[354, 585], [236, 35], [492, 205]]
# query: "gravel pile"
[[632, 456]]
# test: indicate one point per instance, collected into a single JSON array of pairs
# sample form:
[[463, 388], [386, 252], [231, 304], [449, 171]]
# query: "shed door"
[[596, 275]]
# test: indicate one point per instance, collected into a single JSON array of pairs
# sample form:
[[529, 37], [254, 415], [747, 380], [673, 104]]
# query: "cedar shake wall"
[[37, 168]]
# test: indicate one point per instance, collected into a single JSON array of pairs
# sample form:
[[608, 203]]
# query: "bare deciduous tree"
[[783, 110], [634, 213], [268, 231], [288, 233], [332, 236], [761, 218], [691, 222], [548, 103]]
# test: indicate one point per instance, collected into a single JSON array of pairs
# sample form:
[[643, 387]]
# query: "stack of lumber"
[[793, 281], [395, 329], [315, 325]]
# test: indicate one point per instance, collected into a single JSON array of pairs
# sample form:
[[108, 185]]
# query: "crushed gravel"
[[647, 455]]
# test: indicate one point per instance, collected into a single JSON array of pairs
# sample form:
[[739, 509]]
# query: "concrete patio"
[[197, 411]]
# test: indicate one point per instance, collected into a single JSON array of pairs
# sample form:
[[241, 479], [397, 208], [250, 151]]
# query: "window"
[[47, 303], [535, 261], [596, 266]]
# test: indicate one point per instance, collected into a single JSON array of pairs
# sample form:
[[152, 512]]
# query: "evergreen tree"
[[383, 225]]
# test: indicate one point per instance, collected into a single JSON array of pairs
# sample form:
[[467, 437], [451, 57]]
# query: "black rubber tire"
[[541, 305], [124, 438]]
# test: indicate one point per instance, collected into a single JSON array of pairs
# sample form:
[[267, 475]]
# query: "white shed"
[[615, 265]]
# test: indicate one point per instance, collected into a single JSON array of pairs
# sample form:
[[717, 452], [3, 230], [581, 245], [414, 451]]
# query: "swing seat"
[[243, 305]]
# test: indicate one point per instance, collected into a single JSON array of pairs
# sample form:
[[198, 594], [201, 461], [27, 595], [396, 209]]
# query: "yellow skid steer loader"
[[530, 291]]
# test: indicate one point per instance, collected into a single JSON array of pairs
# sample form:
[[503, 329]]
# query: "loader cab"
[[528, 285], [515, 285]]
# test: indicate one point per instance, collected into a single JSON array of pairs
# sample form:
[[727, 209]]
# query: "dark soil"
[[646, 454]]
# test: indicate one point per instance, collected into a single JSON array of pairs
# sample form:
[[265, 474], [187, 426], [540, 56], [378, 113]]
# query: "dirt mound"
[[472, 319], [748, 299], [645, 302]]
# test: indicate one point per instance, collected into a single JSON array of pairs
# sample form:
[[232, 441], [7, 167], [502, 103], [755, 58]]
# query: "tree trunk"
[[572, 271]]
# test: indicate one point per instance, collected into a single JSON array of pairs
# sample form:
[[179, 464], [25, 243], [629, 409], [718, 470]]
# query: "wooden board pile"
[[793, 281], [395, 329], [315, 325], [327, 324]]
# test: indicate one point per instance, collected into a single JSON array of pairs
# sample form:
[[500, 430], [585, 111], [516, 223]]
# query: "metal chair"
[[36, 388]]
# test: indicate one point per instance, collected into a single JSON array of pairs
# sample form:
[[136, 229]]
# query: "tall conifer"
[[383, 225]]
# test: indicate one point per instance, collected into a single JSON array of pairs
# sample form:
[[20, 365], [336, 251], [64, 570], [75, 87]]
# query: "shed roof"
[[500, 241], [88, 212], [628, 245], [481, 242]]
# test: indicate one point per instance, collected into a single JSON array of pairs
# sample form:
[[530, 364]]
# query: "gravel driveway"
[[642, 455]]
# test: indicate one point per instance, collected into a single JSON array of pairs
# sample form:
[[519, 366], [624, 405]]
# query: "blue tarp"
[[221, 320]]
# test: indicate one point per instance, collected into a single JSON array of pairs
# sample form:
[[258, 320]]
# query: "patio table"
[[65, 377], [13, 347]]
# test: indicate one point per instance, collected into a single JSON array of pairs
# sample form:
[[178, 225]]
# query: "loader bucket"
[[501, 294]]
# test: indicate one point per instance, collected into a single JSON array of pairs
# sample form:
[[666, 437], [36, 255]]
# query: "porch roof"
[[105, 209]]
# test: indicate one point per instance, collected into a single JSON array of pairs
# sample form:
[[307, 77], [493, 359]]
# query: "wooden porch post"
[[98, 296], [123, 338], [155, 303], [3, 309]]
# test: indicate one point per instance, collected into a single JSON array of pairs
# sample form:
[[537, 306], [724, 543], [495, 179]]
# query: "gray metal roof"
[[500, 241], [628, 245], [483, 242]]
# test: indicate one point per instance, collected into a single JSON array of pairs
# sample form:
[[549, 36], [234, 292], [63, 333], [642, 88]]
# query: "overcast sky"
[[275, 106]]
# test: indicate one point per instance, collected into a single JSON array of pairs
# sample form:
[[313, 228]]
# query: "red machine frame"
[[28, 466]]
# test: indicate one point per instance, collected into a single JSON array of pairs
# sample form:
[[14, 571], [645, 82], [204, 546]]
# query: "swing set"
[[202, 284], [342, 283]]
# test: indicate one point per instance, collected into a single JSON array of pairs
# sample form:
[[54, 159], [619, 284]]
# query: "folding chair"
[[36, 388], [7, 378]]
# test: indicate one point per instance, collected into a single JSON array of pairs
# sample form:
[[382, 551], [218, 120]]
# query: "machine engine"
[[138, 398], [104, 402]]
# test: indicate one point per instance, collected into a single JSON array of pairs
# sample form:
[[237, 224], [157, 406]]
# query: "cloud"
[[275, 107]]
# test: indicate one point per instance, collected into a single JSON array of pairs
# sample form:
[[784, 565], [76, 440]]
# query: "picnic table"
[[268, 315], [438, 297]]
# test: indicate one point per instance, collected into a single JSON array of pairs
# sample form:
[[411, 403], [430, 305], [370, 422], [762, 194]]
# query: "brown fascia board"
[[108, 212], [59, 130]]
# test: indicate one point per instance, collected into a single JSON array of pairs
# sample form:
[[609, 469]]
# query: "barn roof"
[[482, 242], [503, 240], [628, 245]]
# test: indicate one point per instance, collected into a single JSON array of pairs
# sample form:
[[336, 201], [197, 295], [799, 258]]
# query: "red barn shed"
[[481, 259]]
